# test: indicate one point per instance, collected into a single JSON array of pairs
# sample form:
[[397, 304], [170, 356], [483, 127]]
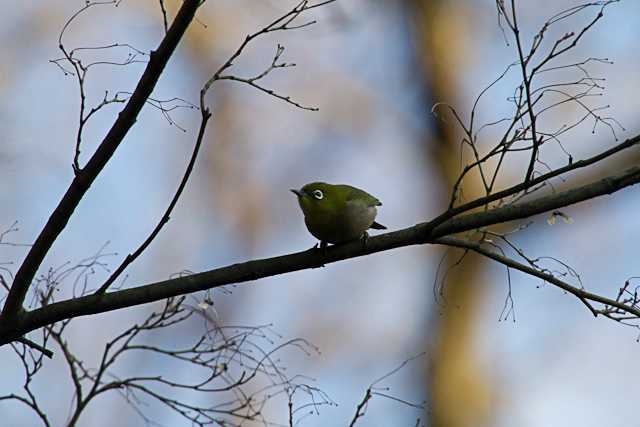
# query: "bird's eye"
[[318, 194]]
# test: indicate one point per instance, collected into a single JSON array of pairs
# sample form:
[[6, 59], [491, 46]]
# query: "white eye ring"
[[318, 194]]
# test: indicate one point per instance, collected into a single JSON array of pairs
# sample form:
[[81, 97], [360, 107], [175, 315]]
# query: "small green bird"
[[337, 213]]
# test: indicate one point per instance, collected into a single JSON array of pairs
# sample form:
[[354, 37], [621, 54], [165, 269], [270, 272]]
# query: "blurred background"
[[374, 69]]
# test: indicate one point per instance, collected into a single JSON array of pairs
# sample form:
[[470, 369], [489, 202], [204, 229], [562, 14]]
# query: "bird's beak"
[[297, 192]]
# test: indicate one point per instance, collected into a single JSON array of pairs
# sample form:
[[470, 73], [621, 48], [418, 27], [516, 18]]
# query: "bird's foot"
[[364, 239], [322, 248]]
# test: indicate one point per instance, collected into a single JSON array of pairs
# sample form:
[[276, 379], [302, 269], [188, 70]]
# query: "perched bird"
[[337, 213]]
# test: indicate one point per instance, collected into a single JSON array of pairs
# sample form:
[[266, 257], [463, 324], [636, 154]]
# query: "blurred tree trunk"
[[459, 390]]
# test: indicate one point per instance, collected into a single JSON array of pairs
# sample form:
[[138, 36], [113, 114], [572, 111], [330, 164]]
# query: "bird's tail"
[[377, 226]]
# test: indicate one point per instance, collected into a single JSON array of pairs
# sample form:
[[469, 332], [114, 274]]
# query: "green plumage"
[[337, 213]]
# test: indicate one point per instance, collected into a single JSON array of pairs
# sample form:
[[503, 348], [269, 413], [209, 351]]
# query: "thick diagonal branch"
[[85, 177], [423, 233]]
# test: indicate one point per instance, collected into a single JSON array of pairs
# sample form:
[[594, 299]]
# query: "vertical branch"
[[526, 81]]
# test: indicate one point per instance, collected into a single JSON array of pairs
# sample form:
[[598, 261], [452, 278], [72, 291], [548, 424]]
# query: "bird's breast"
[[346, 225]]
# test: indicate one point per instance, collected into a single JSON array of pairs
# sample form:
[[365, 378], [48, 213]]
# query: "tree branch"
[[85, 177], [36, 346], [607, 185], [428, 232], [631, 142], [583, 295]]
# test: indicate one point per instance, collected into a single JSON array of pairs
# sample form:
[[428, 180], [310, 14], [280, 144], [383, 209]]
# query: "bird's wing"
[[357, 194]]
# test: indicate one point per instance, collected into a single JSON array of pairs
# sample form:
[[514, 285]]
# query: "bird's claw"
[[322, 247], [364, 239]]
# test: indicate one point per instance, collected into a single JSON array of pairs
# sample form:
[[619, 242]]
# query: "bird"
[[337, 213]]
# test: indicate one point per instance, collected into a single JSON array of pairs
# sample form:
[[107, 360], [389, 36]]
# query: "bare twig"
[[284, 23], [36, 346], [375, 390], [584, 296]]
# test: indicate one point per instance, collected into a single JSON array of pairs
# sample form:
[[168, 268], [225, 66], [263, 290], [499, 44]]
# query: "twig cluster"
[[375, 389], [543, 88], [234, 370], [78, 62], [285, 22]]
